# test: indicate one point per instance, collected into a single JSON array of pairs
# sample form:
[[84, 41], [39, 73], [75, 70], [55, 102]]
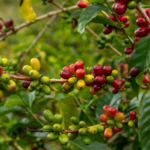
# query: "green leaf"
[[145, 6], [136, 145], [76, 14], [13, 100], [88, 14], [24, 97], [103, 20], [94, 145], [5, 110], [135, 86], [68, 108], [95, 1], [144, 123]]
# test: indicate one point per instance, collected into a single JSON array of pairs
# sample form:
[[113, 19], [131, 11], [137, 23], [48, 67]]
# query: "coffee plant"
[[78, 81]]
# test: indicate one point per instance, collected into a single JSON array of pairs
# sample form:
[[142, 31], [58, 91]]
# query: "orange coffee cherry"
[[104, 118], [108, 133]]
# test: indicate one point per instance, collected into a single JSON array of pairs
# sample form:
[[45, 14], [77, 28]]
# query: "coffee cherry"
[[67, 146], [109, 79], [47, 127], [72, 68], [132, 5], [141, 32], [119, 8], [34, 74], [4, 62], [112, 111], [45, 80], [63, 139], [100, 128], [92, 130], [80, 84], [4, 78], [114, 90], [128, 50], [106, 87], [119, 125], [72, 80], [33, 148], [141, 22], [110, 122], [137, 39], [107, 70], [75, 120], [132, 115], [1, 70], [1, 25], [35, 64], [119, 116], [92, 91], [65, 74], [134, 72], [89, 84], [124, 19], [117, 130], [117, 84], [104, 118], [79, 65], [80, 73], [86, 140], [52, 136], [147, 11], [130, 124], [82, 4], [58, 119], [26, 84], [145, 79], [48, 115], [9, 23], [73, 127], [10, 86], [26, 69], [66, 68], [89, 78], [98, 69], [30, 89], [88, 70], [57, 128], [114, 73], [72, 136], [82, 124], [107, 31], [97, 87], [66, 86], [100, 80], [82, 131], [127, 84], [106, 109], [34, 84], [108, 133], [111, 17]]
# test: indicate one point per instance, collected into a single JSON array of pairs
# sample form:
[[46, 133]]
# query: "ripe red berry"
[[1, 26], [147, 11], [9, 23], [117, 84], [112, 111], [72, 68], [127, 24], [105, 109], [134, 72], [107, 70], [120, 8], [100, 80], [107, 31], [93, 73], [145, 79], [137, 15], [89, 84], [141, 22], [115, 91], [141, 32], [108, 133], [98, 69], [137, 39], [111, 17], [79, 65], [1, 70], [97, 87], [117, 130], [128, 50], [124, 19], [104, 118], [82, 4], [65, 74], [80, 73], [26, 84], [132, 115], [66, 68]]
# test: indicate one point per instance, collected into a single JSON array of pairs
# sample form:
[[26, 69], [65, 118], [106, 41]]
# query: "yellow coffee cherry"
[[89, 78], [80, 84], [35, 63]]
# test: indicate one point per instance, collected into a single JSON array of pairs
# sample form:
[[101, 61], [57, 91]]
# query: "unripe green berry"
[[72, 136], [67, 146], [127, 84], [34, 84], [130, 124], [82, 131], [100, 128], [52, 136], [48, 115], [119, 125], [4, 62], [30, 89], [45, 80], [46, 90], [114, 73], [110, 122], [4, 78], [73, 127], [107, 45], [63, 139], [131, 5], [75, 120], [57, 128], [47, 127], [26, 69], [58, 119], [109, 79], [86, 140], [106, 87], [72, 80], [34, 74], [82, 124], [88, 70], [92, 130]]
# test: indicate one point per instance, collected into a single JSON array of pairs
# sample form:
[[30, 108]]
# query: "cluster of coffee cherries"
[[96, 77], [39, 83], [6, 26], [38, 145], [5, 80]]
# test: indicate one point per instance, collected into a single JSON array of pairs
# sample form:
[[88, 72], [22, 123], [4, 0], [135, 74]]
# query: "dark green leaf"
[[136, 145], [135, 86], [76, 14], [88, 14], [95, 1]]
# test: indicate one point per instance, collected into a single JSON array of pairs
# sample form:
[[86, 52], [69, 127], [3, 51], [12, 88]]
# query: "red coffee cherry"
[[92, 91], [107, 70], [100, 80], [137, 39], [141, 22], [79, 65], [107, 31], [134, 72], [137, 15], [127, 24], [82, 4], [26, 84], [80, 73], [117, 130], [89, 84], [124, 19], [128, 50], [115, 91], [119, 8], [93, 73], [104, 118], [9, 23], [65, 74], [112, 111], [141, 32], [145, 79], [108, 133], [66, 68], [97, 87], [119, 116], [111, 17], [106, 109], [72, 68], [132, 115], [1, 70], [147, 11], [98, 69], [117, 84]]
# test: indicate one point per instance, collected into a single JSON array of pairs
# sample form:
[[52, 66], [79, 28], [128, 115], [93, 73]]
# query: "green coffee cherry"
[[126, 41], [52, 136], [89, 78], [30, 89], [73, 127], [72, 136], [110, 122], [37, 93], [72, 80], [114, 73], [26, 69], [63, 139], [86, 140], [98, 40], [119, 125], [42, 94], [100, 128], [131, 5], [45, 80], [131, 124], [46, 90], [100, 46], [107, 45], [4, 62], [103, 37], [14, 62], [109, 79], [82, 131], [34, 84], [58, 119], [48, 115], [65, 16], [69, 20], [127, 84], [47, 127], [67, 146], [75, 120], [92, 130], [82, 124], [34, 74], [106, 87], [68, 11], [88, 70], [57, 128], [108, 38], [4, 78]]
